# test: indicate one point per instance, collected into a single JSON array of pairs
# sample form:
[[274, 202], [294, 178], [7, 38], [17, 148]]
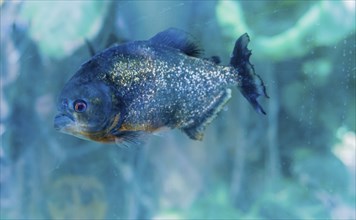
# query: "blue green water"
[[298, 162]]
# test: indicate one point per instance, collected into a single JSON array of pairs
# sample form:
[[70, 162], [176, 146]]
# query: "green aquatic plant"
[[73, 196], [60, 28], [322, 25]]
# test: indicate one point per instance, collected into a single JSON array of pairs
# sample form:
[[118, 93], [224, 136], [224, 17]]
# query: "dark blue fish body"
[[143, 86]]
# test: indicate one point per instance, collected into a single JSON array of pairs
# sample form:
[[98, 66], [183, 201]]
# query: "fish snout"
[[62, 121]]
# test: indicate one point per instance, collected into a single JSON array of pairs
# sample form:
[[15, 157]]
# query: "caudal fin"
[[250, 84]]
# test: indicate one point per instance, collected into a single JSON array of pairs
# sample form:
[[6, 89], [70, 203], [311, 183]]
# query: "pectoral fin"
[[129, 139]]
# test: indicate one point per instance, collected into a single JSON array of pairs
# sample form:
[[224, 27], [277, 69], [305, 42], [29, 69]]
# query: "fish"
[[141, 87]]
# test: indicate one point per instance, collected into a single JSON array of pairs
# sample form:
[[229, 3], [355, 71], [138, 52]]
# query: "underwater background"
[[298, 162]]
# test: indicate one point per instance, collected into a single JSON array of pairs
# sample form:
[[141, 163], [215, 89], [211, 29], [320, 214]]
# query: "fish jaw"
[[67, 124], [64, 123]]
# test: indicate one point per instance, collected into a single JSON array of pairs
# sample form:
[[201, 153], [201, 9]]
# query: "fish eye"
[[79, 105]]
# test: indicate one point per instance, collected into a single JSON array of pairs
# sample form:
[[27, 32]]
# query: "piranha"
[[140, 87]]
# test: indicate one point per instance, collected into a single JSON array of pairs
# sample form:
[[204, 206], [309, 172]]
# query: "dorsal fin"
[[114, 39], [90, 47], [178, 39], [213, 59]]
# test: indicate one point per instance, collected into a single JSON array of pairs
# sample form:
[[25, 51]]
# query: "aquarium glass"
[[295, 162]]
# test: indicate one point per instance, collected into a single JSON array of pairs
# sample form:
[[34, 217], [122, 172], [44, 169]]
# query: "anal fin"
[[196, 130]]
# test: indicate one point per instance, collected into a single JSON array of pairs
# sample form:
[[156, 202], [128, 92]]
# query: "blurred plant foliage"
[[60, 28], [322, 24]]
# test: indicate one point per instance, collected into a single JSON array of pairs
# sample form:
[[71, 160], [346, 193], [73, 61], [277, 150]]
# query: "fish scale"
[[171, 82]]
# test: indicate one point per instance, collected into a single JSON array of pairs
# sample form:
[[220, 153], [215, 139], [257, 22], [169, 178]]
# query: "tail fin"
[[251, 85]]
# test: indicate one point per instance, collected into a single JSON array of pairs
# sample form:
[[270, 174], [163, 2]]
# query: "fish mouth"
[[63, 122]]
